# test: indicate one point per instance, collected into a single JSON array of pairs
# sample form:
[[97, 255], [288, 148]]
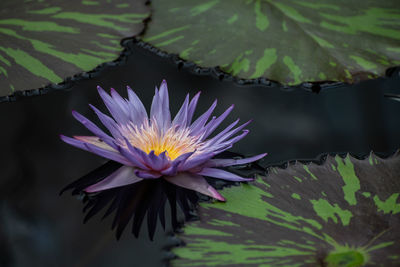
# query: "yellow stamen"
[[148, 137]]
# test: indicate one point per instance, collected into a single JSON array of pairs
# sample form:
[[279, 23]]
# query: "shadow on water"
[[39, 228]]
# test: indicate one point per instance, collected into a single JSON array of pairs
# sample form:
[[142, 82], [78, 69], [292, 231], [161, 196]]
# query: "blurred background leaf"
[[47, 41], [287, 41]]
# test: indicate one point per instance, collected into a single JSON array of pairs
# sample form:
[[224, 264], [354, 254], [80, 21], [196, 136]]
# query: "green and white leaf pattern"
[[46, 41], [289, 41], [345, 212]]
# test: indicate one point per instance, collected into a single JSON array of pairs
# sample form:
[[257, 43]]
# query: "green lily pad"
[[290, 41], [345, 212], [44, 42]]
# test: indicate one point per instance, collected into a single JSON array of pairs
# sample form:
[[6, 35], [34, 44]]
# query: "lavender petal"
[[123, 176], [192, 107], [131, 158], [195, 161], [134, 101], [181, 117], [217, 173], [201, 121], [93, 128], [110, 124], [147, 174], [217, 122], [94, 140], [173, 169], [96, 150], [115, 156], [222, 136], [118, 114], [164, 98], [231, 162], [196, 183]]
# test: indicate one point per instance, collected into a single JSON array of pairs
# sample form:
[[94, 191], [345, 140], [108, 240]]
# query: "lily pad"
[[287, 41], [47, 41], [345, 212]]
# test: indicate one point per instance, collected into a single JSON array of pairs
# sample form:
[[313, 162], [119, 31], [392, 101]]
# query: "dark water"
[[39, 228]]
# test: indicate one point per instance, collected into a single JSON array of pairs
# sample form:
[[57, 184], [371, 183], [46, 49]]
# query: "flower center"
[[149, 137]]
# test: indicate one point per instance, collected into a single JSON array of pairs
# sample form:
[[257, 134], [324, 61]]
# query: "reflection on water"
[[39, 228]]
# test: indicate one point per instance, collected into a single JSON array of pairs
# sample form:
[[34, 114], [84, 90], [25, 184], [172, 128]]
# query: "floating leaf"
[[345, 212], [44, 42], [287, 41]]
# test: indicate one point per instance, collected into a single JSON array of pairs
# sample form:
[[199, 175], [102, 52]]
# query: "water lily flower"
[[158, 147]]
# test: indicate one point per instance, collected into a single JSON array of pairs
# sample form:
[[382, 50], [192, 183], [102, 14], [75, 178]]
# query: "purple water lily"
[[158, 147]]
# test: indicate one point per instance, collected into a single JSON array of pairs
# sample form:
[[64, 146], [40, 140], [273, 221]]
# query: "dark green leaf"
[[44, 42], [345, 212], [287, 41]]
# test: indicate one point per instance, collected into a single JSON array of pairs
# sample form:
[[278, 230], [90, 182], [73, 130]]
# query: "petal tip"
[[215, 194]]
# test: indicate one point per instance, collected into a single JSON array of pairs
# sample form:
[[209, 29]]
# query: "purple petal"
[[135, 102], [196, 183], [164, 98], [94, 140], [159, 162], [219, 135], [192, 107], [139, 154], [116, 111], [156, 109], [222, 136], [212, 126], [73, 142], [201, 121], [123, 176], [217, 173], [147, 174], [110, 124], [145, 158], [231, 162], [131, 157], [181, 116], [96, 150], [228, 144], [223, 148], [107, 154], [195, 161], [118, 100], [173, 169], [93, 128], [238, 138]]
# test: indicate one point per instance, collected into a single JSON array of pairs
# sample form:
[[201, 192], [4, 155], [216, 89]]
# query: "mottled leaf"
[[345, 212], [44, 42], [290, 41]]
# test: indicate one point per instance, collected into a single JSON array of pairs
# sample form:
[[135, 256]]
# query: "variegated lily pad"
[[345, 212], [44, 42], [290, 41]]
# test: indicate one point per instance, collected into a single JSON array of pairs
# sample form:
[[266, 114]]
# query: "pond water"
[[40, 228]]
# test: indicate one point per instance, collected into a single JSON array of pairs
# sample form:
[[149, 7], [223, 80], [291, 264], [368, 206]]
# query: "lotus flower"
[[157, 147]]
